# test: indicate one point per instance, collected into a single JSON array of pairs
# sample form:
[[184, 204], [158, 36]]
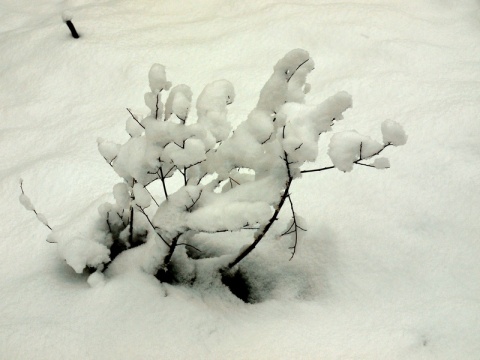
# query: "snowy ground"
[[397, 268]]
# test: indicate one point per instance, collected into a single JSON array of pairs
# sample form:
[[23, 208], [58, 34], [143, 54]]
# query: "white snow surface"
[[389, 267]]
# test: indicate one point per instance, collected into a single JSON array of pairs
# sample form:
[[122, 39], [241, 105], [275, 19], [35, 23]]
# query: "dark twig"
[[130, 238], [265, 141], [185, 169], [357, 162], [298, 67], [162, 178], [132, 196], [264, 230], [232, 180], [169, 171], [317, 170], [299, 146], [110, 162], [155, 201], [167, 259], [134, 118], [155, 228], [293, 229], [35, 211], [229, 230], [194, 202], [193, 247], [108, 223], [156, 105]]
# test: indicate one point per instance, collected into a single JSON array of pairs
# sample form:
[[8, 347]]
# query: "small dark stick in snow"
[[67, 19]]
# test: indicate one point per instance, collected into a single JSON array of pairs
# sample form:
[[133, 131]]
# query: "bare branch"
[[134, 118], [33, 209], [108, 223], [298, 67], [232, 180], [167, 259], [269, 137], [132, 213], [194, 202], [246, 227], [357, 162], [156, 105], [193, 247], [192, 165], [264, 230], [155, 201], [298, 147], [182, 120], [110, 162], [155, 228], [293, 229], [170, 170], [180, 146], [162, 178], [317, 170]]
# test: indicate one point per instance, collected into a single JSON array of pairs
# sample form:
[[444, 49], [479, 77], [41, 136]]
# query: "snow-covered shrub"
[[212, 180]]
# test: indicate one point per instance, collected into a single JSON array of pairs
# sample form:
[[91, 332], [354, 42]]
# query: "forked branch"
[[264, 230], [294, 228]]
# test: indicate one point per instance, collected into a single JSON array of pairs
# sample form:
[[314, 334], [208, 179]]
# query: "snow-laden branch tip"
[[27, 204]]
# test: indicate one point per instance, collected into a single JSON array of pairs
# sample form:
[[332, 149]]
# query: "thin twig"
[[132, 211], [227, 230], [169, 171], [33, 209], [260, 235], [155, 201], [293, 229], [110, 162], [182, 120], [194, 202], [108, 223], [317, 170], [167, 259], [134, 118], [162, 178], [265, 141], [193, 247], [155, 228], [298, 67], [156, 105], [359, 163]]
